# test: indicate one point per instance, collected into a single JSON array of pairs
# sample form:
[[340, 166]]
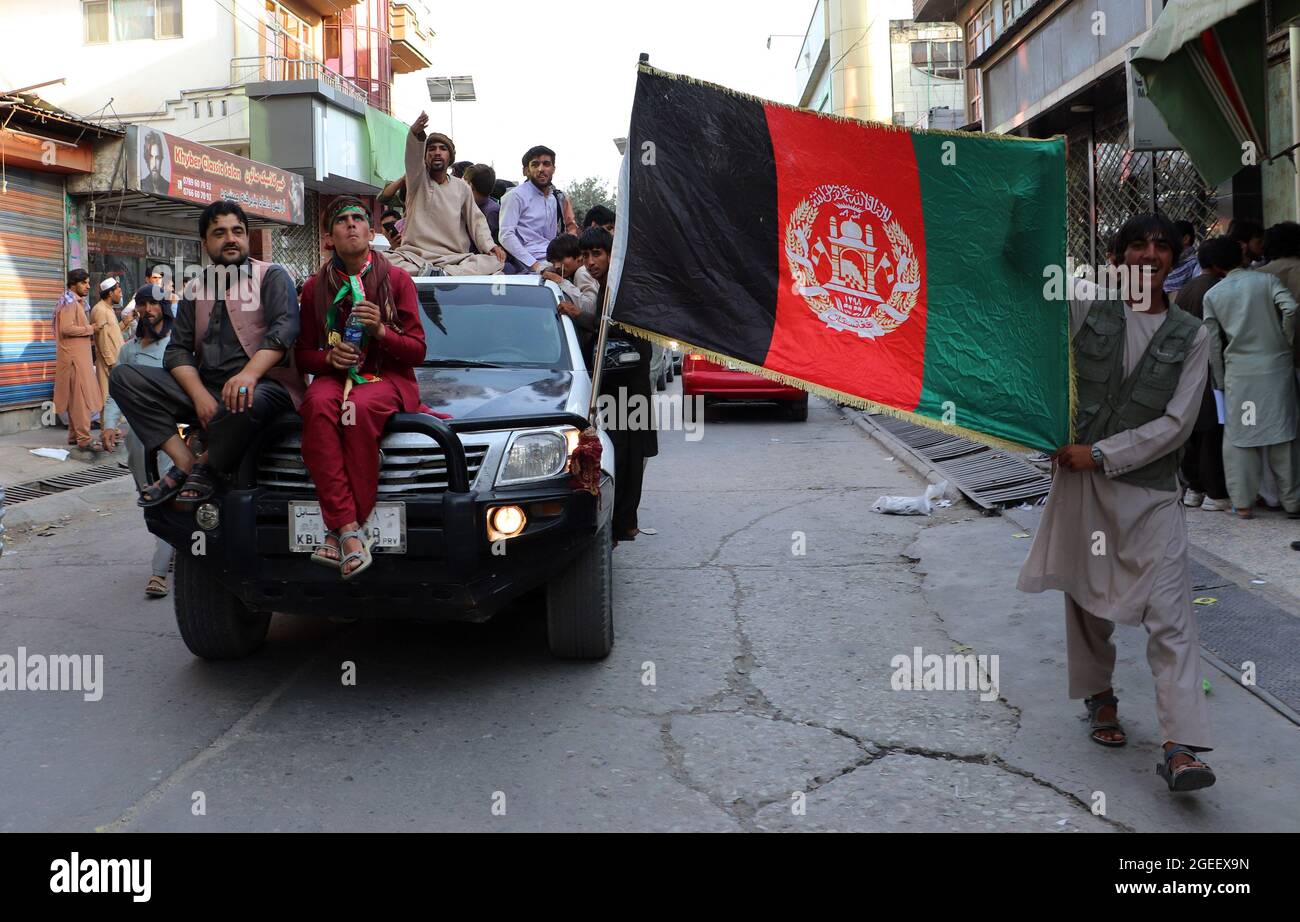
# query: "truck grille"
[[412, 463]]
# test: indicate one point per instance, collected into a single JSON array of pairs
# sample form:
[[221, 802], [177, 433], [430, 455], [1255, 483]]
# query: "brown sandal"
[[1096, 725], [156, 588], [1190, 776]]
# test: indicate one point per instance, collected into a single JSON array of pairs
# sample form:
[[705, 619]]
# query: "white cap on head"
[[108, 284]]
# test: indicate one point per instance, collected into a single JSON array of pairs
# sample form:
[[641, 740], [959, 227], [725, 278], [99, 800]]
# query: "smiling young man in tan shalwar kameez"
[[1113, 537]]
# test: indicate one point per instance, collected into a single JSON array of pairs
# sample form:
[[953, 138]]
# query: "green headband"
[[349, 208]]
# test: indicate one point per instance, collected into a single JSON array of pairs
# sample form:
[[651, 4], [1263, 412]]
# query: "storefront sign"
[[105, 240], [176, 168], [1146, 126]]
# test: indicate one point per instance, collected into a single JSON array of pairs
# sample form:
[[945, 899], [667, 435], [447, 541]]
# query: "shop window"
[[130, 20]]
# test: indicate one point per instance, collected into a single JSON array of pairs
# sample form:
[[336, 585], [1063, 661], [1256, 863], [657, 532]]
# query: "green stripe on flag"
[[996, 351]]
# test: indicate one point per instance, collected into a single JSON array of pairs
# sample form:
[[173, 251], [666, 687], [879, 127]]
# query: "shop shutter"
[[32, 278]]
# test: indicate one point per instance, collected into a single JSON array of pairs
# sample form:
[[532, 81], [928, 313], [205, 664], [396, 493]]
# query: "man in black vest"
[[1113, 537]]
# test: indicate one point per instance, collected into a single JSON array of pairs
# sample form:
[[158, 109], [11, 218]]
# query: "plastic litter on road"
[[911, 505], [56, 454]]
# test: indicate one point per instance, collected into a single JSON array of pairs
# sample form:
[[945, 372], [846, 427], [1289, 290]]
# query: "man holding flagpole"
[[632, 446]]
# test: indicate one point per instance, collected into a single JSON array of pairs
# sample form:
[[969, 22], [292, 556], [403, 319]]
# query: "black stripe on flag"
[[702, 238]]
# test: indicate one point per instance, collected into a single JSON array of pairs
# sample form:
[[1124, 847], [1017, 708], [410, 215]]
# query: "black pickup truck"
[[473, 511]]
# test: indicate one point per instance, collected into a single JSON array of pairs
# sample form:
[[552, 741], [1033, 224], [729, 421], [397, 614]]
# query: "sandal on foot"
[[1094, 706], [202, 484], [1190, 776], [363, 555], [164, 489], [156, 587], [326, 560]]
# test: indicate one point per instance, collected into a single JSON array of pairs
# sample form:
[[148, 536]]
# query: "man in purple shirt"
[[532, 214]]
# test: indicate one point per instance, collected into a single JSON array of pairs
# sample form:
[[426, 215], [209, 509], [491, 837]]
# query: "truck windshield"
[[517, 326]]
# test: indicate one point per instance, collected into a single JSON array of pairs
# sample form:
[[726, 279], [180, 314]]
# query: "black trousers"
[[629, 472], [1202, 465], [154, 403]]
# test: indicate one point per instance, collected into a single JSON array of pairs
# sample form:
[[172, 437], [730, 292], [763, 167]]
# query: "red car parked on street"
[[718, 382]]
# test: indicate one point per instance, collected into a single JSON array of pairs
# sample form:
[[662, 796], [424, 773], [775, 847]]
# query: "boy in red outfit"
[[353, 394]]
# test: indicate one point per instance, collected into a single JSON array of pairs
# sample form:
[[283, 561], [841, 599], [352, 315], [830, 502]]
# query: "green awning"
[[387, 146], [1204, 65]]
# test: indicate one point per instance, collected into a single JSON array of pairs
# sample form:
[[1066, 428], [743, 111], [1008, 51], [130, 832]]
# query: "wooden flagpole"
[[598, 356]]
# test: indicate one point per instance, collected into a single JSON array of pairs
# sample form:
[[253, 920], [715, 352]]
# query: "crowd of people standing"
[[1244, 454]]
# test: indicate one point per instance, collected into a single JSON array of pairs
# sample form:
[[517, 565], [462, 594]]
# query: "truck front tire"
[[580, 603], [214, 623]]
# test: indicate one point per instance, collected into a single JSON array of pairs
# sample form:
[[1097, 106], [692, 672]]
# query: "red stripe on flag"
[[851, 304], [1219, 64]]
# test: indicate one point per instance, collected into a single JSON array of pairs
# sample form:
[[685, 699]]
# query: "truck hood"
[[494, 392]]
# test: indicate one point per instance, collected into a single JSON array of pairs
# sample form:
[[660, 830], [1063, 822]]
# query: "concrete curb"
[[903, 453]]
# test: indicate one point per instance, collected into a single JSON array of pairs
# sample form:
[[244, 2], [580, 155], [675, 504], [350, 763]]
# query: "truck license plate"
[[387, 523]]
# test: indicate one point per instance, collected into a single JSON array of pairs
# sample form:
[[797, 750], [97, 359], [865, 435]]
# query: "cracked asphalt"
[[749, 688]]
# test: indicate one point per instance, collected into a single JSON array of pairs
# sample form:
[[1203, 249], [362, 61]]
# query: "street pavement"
[[749, 688]]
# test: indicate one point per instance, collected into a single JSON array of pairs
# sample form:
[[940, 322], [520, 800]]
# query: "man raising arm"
[[443, 224]]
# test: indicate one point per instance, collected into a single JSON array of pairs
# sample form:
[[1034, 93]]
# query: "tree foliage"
[[590, 191]]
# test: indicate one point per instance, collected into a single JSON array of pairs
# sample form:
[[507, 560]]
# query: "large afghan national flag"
[[896, 270]]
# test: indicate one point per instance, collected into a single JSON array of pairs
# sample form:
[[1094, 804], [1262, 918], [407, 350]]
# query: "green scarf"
[[350, 288]]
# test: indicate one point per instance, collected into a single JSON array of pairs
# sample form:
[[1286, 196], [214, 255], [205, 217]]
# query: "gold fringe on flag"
[[832, 394]]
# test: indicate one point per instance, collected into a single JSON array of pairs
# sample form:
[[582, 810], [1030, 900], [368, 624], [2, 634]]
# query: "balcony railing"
[[411, 44], [256, 68]]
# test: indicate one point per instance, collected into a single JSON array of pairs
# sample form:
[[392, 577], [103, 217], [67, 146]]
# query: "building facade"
[[867, 59], [1046, 67], [280, 104]]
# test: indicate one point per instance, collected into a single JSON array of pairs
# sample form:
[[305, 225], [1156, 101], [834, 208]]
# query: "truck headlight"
[[537, 455]]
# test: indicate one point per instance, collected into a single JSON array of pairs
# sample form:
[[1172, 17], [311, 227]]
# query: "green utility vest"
[[1109, 403]]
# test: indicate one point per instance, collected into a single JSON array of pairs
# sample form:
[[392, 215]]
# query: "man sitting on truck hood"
[[354, 392], [228, 365]]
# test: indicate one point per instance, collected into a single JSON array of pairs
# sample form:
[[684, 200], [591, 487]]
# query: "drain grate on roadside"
[[21, 492], [989, 477], [1242, 627]]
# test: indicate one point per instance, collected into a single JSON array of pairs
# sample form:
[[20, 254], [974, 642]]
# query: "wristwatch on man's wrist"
[[1096, 457]]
